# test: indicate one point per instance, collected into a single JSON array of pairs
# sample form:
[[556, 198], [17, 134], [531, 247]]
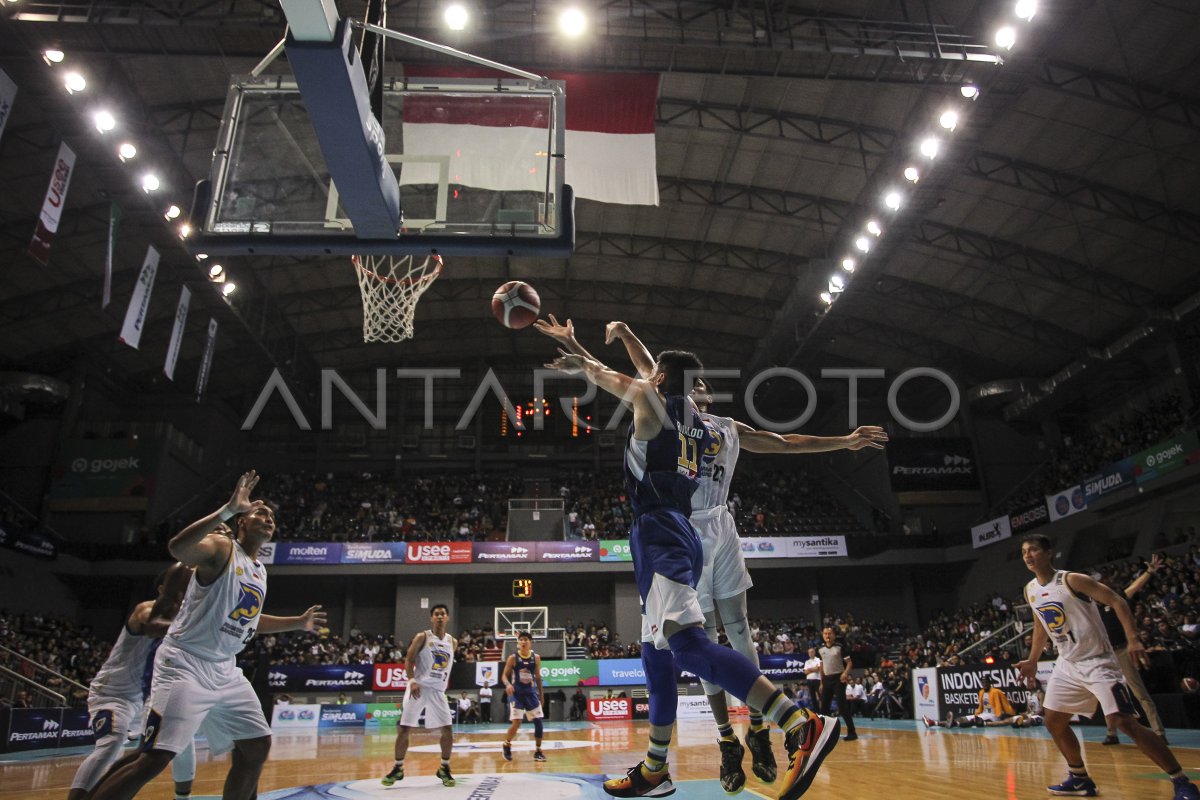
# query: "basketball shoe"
[[507, 748], [1185, 789], [538, 755], [397, 774], [733, 777], [807, 747], [444, 774], [1075, 787], [636, 784], [762, 758]]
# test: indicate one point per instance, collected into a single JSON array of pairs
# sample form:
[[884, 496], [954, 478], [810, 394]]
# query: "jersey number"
[[688, 448], [718, 474]]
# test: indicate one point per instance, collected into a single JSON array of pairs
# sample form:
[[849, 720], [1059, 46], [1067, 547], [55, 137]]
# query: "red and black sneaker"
[[807, 747], [636, 784]]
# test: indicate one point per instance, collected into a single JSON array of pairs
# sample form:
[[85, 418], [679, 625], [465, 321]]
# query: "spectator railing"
[[39, 675], [997, 639], [39, 696]]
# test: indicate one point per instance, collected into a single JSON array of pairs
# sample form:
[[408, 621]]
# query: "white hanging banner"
[[8, 96], [52, 206], [206, 362], [139, 303], [181, 312], [114, 220]]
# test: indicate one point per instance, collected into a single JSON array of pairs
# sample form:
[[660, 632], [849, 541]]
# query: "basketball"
[[516, 305], [1189, 685]]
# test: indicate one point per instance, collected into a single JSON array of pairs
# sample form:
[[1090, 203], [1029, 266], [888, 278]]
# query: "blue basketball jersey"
[[664, 472], [525, 674]]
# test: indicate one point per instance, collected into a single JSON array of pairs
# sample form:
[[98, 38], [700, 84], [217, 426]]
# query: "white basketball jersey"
[[121, 675], [717, 474], [218, 620], [1073, 621], [434, 661]]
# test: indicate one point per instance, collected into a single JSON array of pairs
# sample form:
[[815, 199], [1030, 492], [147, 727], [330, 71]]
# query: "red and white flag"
[[52, 206], [499, 142]]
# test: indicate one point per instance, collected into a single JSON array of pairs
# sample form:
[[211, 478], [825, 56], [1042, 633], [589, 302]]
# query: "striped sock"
[[725, 731], [1079, 771], [399, 763], [446, 763], [656, 755], [784, 712], [756, 721]]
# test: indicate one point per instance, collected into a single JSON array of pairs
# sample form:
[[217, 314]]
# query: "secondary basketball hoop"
[[391, 287]]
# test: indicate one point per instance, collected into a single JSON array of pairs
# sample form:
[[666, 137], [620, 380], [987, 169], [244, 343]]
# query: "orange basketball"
[[516, 305]]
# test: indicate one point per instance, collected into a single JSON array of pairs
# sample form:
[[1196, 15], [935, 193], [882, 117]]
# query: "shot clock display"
[[522, 588]]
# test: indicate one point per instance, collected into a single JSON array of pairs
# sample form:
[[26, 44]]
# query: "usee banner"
[[990, 532], [932, 465], [438, 553], [1065, 503], [52, 206], [389, 677], [319, 677], [603, 708], [1166, 457], [1113, 478]]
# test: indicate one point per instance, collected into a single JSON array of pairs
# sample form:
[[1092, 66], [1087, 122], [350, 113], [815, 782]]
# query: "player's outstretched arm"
[[564, 334], [756, 441], [648, 413], [195, 546], [638, 354], [1140, 581], [312, 620]]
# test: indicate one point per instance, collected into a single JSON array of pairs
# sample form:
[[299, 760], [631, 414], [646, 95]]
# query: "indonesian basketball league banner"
[[52, 206], [501, 146], [139, 301], [181, 312], [206, 361], [8, 96]]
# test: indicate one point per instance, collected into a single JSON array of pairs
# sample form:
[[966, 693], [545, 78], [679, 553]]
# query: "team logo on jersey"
[[441, 659], [715, 445], [248, 605], [1054, 615]]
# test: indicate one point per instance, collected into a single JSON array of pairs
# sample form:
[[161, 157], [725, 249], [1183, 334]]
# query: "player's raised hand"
[[314, 619], [569, 363], [563, 332], [240, 502], [615, 330], [867, 436], [1156, 562]]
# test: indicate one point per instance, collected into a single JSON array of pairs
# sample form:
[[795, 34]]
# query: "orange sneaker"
[[636, 784], [807, 747]]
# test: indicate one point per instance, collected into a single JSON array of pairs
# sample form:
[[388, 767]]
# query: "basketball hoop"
[[391, 287]]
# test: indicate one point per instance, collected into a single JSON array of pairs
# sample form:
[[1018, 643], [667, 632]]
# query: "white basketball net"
[[391, 287]]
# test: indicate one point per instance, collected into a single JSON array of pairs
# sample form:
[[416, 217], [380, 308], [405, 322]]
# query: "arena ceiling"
[[1058, 227]]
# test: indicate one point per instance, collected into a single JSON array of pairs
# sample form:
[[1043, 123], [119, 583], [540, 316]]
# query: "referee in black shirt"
[[1120, 645], [835, 672]]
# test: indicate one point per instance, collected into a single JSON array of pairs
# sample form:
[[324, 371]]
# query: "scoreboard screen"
[[523, 588]]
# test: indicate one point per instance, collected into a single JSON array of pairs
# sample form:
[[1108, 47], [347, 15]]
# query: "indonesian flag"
[[499, 142]]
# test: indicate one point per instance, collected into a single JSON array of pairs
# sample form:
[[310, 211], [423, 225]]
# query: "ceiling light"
[[456, 16], [873, 228], [172, 212], [105, 121], [150, 182], [53, 56], [1006, 37], [126, 151], [892, 200], [826, 297], [1026, 9], [74, 82], [969, 91], [949, 120], [185, 231], [216, 272], [201, 256], [572, 22], [837, 282], [911, 174], [863, 244], [228, 289], [848, 264], [930, 147]]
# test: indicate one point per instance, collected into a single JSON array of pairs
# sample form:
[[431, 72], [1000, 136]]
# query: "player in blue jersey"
[[523, 683], [664, 450]]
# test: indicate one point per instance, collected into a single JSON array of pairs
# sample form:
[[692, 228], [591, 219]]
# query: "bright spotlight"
[[826, 298], [456, 17], [1026, 9], [150, 182], [53, 56], [74, 82], [969, 91], [863, 244], [873, 228], [228, 289], [126, 151], [837, 282], [949, 120], [1006, 37], [892, 200], [848, 264], [185, 231], [930, 147], [911, 174], [572, 22], [216, 272], [201, 256], [105, 121], [172, 212]]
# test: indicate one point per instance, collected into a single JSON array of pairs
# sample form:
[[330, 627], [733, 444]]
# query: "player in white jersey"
[[1065, 605], [196, 680], [115, 693], [724, 579], [427, 665]]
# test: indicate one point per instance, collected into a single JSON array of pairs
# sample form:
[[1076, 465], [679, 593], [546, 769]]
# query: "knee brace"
[[659, 666], [718, 665], [183, 766], [537, 727], [710, 630]]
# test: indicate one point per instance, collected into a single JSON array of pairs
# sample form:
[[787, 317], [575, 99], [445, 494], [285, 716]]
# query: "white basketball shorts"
[[1074, 688], [724, 574], [432, 704]]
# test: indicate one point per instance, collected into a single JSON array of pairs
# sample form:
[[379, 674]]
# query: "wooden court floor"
[[898, 760]]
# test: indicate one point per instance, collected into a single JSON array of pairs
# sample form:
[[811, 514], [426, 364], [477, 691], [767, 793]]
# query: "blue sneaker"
[[1185, 790], [1075, 787]]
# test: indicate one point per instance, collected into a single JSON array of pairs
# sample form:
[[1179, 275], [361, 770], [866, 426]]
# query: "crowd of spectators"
[[56, 643]]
